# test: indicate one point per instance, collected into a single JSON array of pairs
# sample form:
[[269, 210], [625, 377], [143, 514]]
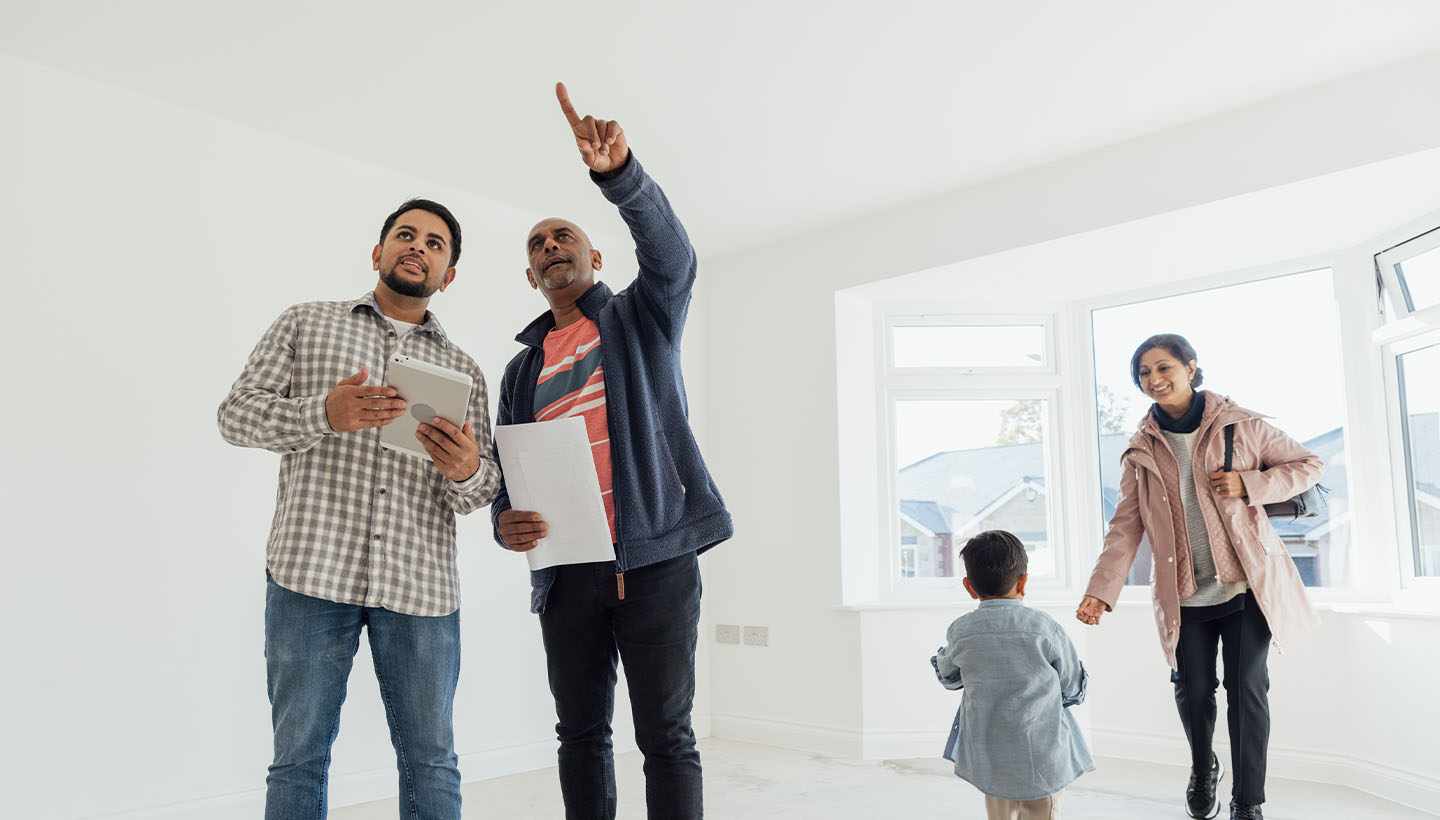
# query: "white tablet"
[[429, 390]]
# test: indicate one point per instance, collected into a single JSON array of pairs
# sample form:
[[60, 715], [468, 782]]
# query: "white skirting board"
[[825, 740], [1398, 785]]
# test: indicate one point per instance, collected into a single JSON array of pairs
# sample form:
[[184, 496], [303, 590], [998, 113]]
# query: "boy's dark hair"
[[433, 207], [994, 561], [1178, 347]]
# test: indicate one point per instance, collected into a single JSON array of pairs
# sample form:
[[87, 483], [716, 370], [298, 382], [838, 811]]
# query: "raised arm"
[[602, 143], [662, 247]]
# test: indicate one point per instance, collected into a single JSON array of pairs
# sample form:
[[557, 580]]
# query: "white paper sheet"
[[549, 469]]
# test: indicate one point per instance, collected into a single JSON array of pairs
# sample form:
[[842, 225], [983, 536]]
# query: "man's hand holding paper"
[[557, 515], [522, 530]]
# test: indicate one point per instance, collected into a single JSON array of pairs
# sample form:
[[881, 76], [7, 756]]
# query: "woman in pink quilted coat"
[[1223, 581]]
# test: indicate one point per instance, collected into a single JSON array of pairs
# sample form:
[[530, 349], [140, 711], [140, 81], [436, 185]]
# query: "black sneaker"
[[1201, 799], [1245, 811]]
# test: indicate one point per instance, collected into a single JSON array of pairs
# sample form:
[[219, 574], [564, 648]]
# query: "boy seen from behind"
[[1014, 737]]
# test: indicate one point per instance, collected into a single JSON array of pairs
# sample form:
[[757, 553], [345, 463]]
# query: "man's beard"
[[559, 280], [562, 278], [420, 290]]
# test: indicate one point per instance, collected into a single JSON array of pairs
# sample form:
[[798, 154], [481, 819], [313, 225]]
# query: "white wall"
[[135, 539], [147, 249], [834, 677]]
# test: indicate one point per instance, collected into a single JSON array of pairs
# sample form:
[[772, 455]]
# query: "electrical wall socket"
[[757, 636], [727, 633]]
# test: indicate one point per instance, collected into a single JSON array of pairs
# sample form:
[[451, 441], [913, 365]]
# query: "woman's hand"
[[1227, 484], [1091, 608]]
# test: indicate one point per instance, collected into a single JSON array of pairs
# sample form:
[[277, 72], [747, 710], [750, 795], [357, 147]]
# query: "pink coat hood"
[[1272, 466]]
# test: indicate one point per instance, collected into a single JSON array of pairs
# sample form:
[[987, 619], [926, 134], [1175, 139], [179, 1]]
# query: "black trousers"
[[587, 628], [1243, 639]]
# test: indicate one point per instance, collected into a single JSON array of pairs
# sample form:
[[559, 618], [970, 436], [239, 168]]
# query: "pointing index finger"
[[564, 98]]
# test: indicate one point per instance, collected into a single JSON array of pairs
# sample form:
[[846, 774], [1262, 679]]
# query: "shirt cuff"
[[313, 420], [619, 184], [471, 484]]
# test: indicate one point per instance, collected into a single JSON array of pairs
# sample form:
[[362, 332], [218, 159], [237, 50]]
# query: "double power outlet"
[[753, 635]]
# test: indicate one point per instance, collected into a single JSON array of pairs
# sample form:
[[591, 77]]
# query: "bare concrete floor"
[[749, 782]]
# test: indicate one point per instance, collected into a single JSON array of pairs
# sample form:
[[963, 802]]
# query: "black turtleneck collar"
[[1188, 423]]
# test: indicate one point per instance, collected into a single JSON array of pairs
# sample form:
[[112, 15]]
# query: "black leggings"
[[1243, 637]]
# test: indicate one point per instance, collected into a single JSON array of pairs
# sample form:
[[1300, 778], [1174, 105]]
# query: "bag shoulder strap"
[[1229, 445]]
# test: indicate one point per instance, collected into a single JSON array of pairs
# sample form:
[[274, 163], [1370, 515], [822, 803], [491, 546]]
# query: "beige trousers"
[[1044, 808]]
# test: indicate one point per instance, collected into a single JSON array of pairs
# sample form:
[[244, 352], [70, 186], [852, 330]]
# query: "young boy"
[[1013, 737]]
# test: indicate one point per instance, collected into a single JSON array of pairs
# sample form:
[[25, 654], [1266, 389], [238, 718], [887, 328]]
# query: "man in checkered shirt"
[[364, 536]]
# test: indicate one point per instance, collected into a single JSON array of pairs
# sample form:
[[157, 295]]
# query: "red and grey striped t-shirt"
[[572, 383]]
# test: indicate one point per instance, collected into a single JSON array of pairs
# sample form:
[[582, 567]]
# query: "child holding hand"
[[1014, 737]]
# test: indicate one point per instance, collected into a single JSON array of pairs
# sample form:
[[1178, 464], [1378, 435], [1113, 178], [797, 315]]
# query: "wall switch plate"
[[757, 636], [727, 633]]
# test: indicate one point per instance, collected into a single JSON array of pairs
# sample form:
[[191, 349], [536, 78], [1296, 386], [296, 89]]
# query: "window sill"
[[1362, 609], [967, 604]]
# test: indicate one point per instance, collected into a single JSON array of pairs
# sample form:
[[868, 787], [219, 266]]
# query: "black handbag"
[[1309, 504]]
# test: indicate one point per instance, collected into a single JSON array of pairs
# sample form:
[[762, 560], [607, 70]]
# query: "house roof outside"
[[927, 515], [957, 484]]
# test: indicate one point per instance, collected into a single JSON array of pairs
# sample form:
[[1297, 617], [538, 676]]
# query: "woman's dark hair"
[[1178, 347], [994, 561], [433, 207]]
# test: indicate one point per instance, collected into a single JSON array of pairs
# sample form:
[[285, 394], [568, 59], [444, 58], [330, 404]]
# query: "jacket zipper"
[[614, 494], [619, 564]]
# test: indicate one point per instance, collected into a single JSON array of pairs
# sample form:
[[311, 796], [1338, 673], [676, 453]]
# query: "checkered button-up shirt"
[[354, 522]]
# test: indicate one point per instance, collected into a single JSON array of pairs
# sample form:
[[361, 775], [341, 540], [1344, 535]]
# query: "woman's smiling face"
[[1165, 378]]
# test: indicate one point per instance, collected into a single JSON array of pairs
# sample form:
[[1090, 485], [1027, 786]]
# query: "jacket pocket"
[[1270, 539], [657, 496]]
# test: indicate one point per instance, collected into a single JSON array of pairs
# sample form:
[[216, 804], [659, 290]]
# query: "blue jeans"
[[586, 627], [310, 646]]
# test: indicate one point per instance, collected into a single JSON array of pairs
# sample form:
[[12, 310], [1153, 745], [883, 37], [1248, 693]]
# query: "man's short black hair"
[[433, 207], [994, 562]]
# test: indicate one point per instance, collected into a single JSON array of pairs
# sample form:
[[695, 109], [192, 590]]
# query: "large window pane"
[[1270, 345], [969, 345], [967, 466], [1420, 400]]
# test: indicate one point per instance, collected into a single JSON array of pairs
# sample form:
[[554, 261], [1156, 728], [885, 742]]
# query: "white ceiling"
[[761, 119], [1279, 230]]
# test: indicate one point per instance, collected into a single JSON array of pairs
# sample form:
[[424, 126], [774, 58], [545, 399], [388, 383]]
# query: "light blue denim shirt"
[[1014, 737]]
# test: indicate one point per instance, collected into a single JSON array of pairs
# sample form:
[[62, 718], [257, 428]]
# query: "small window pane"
[[1238, 338], [970, 346], [1420, 276], [969, 466], [1420, 398]]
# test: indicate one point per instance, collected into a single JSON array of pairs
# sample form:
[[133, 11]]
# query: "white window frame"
[[1085, 309], [1382, 552], [893, 320], [1404, 331], [962, 383], [1394, 287], [1406, 510]]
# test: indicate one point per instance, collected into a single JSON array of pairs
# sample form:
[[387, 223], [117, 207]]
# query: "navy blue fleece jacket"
[[666, 504]]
